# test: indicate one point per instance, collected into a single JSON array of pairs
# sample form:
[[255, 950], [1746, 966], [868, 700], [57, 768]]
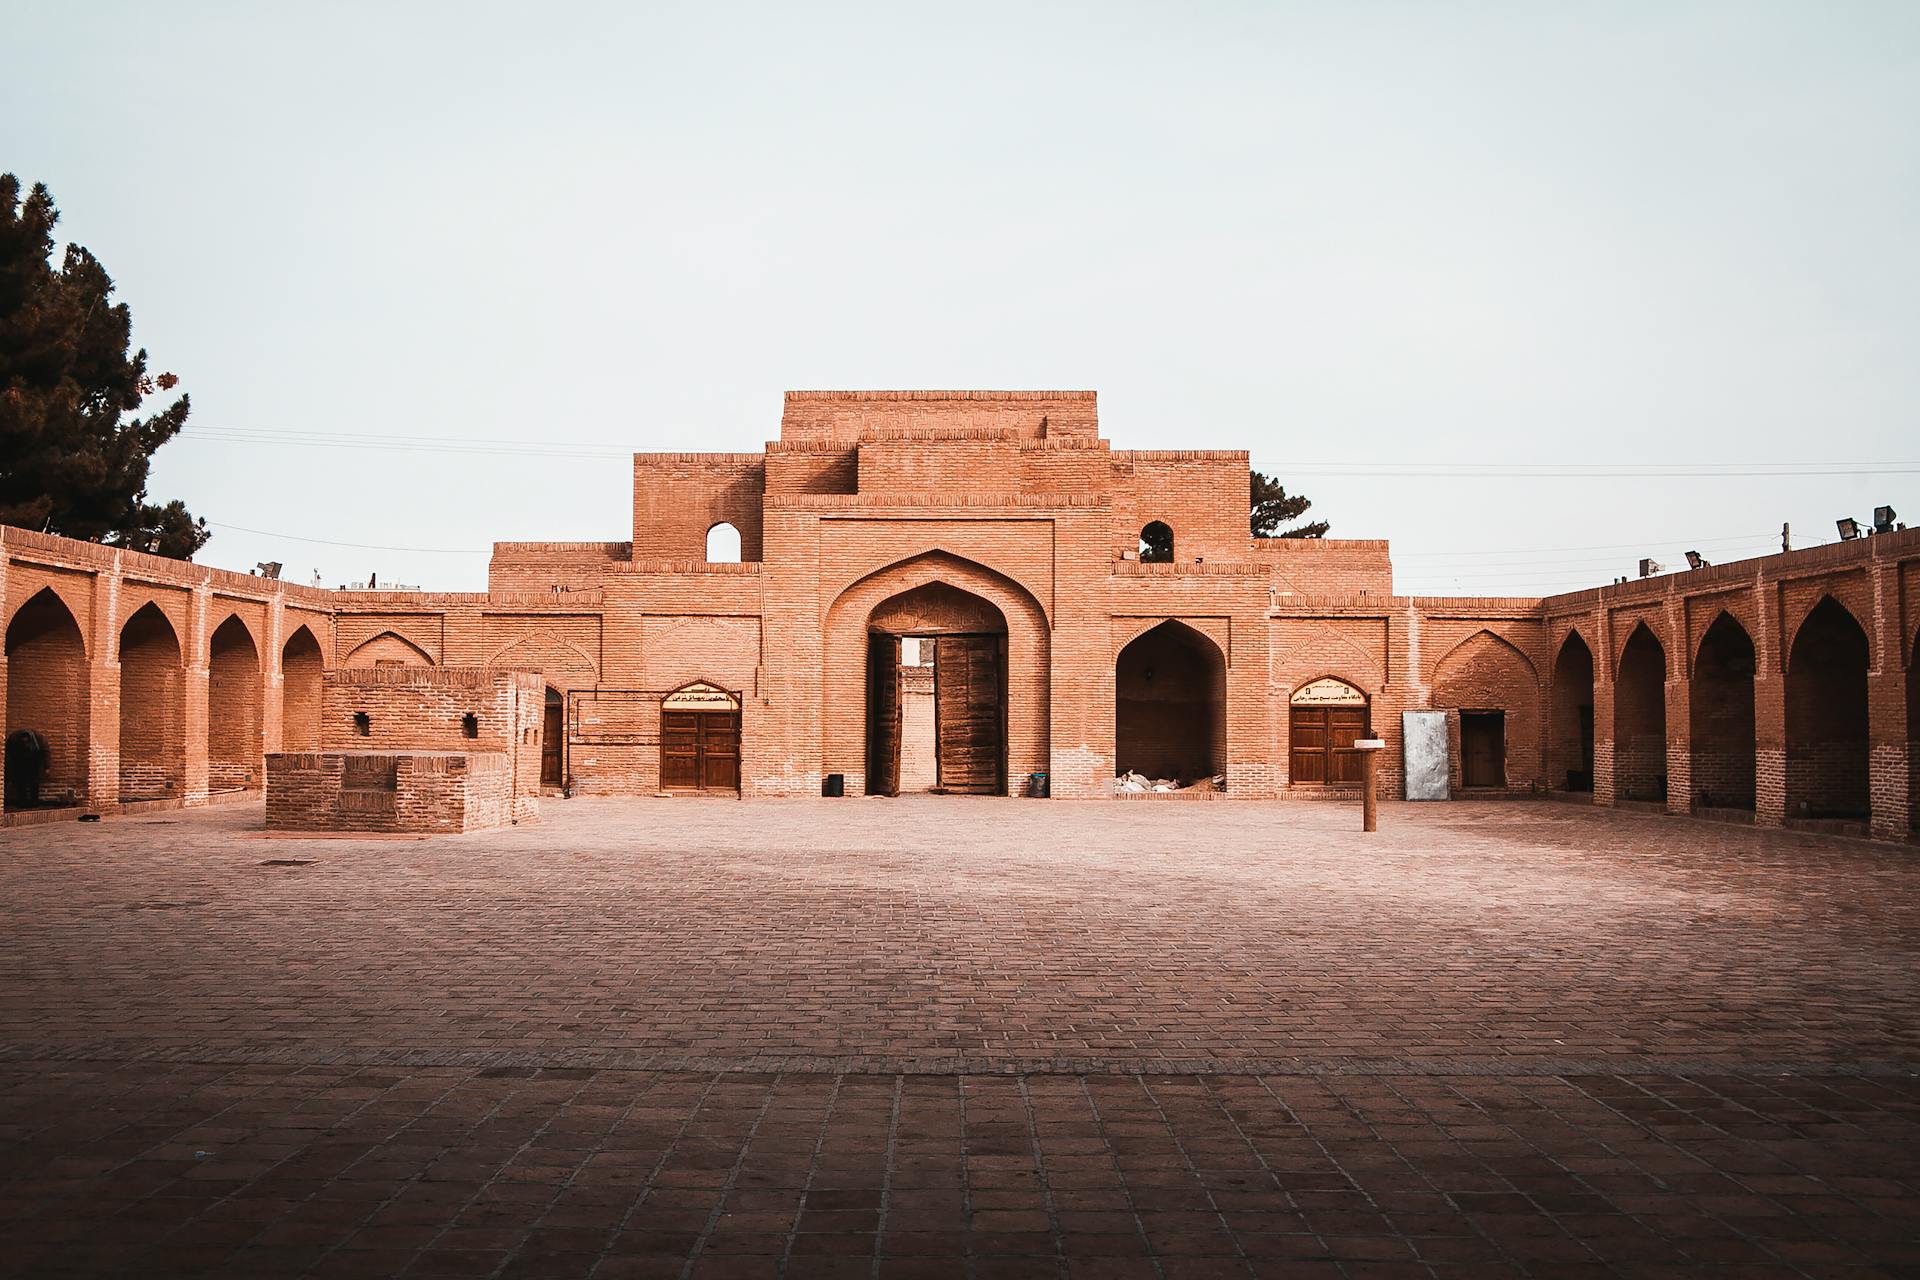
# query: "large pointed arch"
[[1827, 717], [302, 668], [152, 708], [1170, 704], [48, 695], [1490, 690], [1570, 714], [235, 710], [1640, 717], [847, 660], [1720, 717]]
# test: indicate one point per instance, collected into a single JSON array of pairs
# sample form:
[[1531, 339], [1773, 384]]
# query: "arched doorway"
[[1156, 543], [699, 739], [152, 714], [233, 709], [1493, 690], [47, 696], [1827, 716], [553, 739], [1325, 718], [1720, 718], [1640, 719], [1570, 747], [301, 667], [1169, 720], [963, 637]]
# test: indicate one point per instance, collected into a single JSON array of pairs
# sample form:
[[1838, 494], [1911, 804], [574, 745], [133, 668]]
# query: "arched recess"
[[388, 649], [1156, 543], [1640, 718], [1827, 715], [1170, 705], [47, 693], [553, 739], [1325, 717], [723, 544], [848, 658], [234, 709], [153, 762], [301, 667], [1720, 720], [1570, 746], [1492, 692]]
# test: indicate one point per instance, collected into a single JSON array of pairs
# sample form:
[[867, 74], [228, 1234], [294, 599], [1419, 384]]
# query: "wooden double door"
[[700, 750], [1322, 741], [969, 710]]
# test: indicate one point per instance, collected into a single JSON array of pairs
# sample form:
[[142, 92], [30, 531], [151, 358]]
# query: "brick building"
[[996, 537]]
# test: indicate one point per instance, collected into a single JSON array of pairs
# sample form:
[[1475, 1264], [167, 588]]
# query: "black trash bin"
[[26, 763], [1039, 786], [834, 784]]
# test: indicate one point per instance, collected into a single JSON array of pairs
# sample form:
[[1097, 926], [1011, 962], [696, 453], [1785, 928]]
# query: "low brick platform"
[[944, 1035], [431, 791]]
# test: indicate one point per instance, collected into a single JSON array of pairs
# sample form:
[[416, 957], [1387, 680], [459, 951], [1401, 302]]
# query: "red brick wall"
[[390, 792], [678, 497], [301, 666]]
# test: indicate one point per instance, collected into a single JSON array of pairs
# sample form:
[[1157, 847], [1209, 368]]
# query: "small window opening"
[[1156, 543], [469, 725], [362, 723], [723, 544]]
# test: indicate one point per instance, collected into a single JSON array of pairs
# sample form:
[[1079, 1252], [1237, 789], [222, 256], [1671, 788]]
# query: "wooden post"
[[1370, 749]]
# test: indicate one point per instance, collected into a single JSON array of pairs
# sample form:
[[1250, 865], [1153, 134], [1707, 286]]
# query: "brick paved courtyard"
[[961, 1037]]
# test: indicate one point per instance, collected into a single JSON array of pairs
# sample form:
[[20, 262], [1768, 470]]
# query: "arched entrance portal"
[[964, 639], [1570, 751], [1169, 714], [1827, 716], [1720, 724], [46, 699]]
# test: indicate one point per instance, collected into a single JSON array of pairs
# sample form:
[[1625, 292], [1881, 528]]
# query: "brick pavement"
[[945, 1036]]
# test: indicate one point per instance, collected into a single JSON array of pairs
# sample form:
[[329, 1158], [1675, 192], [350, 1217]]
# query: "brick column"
[[103, 690], [1888, 779], [1603, 788], [193, 687], [1769, 713], [273, 702], [1679, 693]]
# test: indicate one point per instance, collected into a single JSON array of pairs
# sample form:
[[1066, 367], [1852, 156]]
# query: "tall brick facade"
[[1777, 687]]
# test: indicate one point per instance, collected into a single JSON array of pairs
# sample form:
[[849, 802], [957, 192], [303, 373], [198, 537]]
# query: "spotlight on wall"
[[1849, 528], [1695, 560], [1649, 568], [267, 568], [1883, 519]]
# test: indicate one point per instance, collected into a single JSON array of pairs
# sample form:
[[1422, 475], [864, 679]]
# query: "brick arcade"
[[947, 590]]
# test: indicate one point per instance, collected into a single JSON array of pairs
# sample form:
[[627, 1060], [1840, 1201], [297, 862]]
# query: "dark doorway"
[[700, 750], [1720, 718], [1827, 716], [883, 714], [552, 739], [1483, 748], [1571, 742], [1170, 705], [1640, 719], [47, 695], [964, 637], [1327, 717]]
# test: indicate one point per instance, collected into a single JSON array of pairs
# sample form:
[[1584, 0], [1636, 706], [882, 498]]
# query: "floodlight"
[[1695, 560], [1849, 528], [1883, 519], [1648, 568]]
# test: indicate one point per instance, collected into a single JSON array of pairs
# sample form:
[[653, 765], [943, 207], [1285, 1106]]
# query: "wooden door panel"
[[883, 715], [1321, 741], [967, 712]]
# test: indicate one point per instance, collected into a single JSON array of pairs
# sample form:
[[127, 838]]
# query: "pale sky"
[[1356, 239]]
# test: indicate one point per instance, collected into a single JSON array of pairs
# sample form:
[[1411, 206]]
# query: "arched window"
[[723, 544], [1156, 543]]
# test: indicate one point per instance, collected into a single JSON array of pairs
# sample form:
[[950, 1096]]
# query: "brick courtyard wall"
[[423, 792], [812, 466], [553, 566], [1199, 493], [1486, 672]]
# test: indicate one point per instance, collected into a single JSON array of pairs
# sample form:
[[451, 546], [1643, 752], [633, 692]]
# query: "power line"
[[358, 546]]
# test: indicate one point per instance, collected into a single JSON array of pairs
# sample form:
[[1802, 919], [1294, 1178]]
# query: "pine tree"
[[72, 461], [1272, 506]]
